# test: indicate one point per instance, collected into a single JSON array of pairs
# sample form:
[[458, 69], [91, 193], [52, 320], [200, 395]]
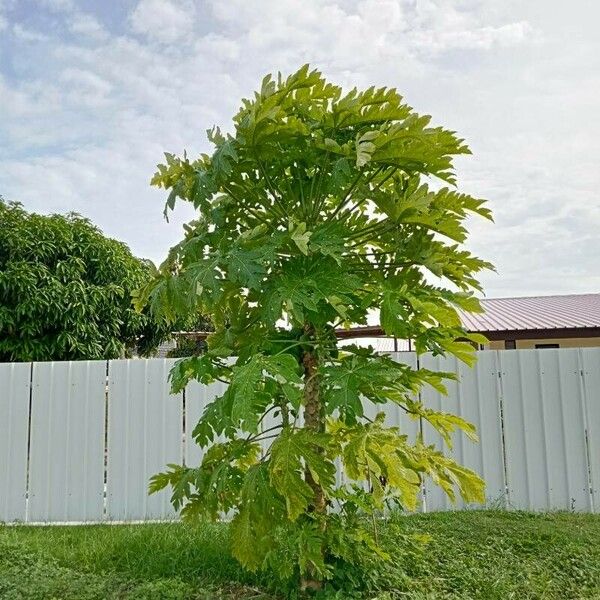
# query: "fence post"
[[500, 392], [591, 418]]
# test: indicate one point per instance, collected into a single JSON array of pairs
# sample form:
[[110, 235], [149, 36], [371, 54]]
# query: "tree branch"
[[257, 435], [273, 189], [346, 197]]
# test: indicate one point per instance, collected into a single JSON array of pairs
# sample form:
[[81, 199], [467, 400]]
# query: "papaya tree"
[[316, 212]]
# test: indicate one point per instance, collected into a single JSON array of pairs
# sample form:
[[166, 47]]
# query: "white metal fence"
[[79, 440]]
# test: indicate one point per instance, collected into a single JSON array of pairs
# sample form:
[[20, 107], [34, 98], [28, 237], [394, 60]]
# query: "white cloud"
[[87, 88], [163, 20], [479, 38], [87, 26], [28, 35], [88, 119]]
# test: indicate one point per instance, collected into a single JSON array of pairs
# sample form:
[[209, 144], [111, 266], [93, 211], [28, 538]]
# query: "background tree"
[[316, 212], [65, 290]]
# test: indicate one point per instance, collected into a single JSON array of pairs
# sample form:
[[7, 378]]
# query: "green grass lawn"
[[487, 555]]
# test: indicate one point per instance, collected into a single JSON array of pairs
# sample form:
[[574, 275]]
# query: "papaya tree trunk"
[[314, 419]]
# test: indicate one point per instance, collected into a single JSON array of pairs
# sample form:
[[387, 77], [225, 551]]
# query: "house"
[[567, 321], [163, 349]]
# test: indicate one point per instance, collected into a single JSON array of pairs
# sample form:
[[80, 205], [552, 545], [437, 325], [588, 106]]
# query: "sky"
[[93, 92]]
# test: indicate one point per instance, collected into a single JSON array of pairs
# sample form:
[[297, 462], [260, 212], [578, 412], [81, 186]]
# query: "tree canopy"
[[318, 210], [66, 290]]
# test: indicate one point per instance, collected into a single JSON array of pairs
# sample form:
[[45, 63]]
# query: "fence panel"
[[197, 397], [537, 413], [396, 415], [66, 476], [475, 397], [590, 363], [144, 434], [544, 430], [14, 417]]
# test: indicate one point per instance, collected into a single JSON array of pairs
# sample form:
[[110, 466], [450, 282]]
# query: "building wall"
[[563, 343], [591, 342], [495, 345]]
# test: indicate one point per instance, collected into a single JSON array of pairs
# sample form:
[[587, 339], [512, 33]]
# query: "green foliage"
[[141, 562], [316, 212], [467, 555], [65, 290]]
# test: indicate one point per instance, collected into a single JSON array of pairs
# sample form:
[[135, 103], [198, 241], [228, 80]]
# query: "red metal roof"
[[535, 312]]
